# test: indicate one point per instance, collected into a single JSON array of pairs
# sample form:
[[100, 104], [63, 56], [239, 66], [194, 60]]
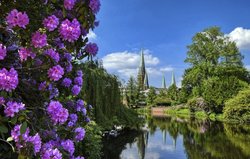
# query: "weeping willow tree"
[[102, 91]]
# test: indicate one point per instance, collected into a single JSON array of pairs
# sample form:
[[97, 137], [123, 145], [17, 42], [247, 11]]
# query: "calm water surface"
[[175, 138]]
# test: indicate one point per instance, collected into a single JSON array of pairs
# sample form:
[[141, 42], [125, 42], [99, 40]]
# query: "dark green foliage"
[[102, 91], [151, 95], [238, 108], [162, 101], [216, 71], [131, 92], [92, 143], [172, 92]]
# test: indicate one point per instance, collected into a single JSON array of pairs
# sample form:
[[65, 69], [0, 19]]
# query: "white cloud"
[[126, 63], [241, 37], [167, 69], [91, 35]]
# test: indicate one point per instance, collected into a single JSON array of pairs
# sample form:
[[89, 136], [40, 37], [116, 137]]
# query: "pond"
[[176, 138]]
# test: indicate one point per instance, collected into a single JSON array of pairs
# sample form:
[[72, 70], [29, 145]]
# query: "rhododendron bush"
[[41, 112]]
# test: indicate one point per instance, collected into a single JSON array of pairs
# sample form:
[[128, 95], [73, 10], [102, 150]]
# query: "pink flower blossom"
[[15, 18], [39, 40], [70, 31]]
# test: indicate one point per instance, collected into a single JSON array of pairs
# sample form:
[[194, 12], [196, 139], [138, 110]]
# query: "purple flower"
[[24, 53], [51, 22], [70, 31], [76, 90], [91, 48], [95, 5], [68, 145], [8, 79], [3, 51], [69, 67], [57, 113], [15, 133], [38, 62], [72, 120], [53, 54], [78, 81], [42, 86], [59, 43], [79, 134], [55, 73], [84, 111], [15, 18], [54, 92], [69, 4], [51, 154], [79, 105], [79, 157], [66, 82], [12, 108], [2, 100], [79, 73], [87, 119], [39, 40], [36, 141], [68, 57]]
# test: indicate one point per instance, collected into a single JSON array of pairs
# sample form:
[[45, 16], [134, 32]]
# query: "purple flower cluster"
[[8, 79], [95, 5], [68, 145], [51, 22], [24, 53], [70, 31], [57, 113], [12, 108], [72, 120], [79, 134], [3, 51], [51, 153], [42, 86], [15, 18], [53, 54], [67, 82], [68, 57], [76, 90], [91, 48], [23, 142], [55, 73], [78, 81], [79, 105], [39, 40], [69, 4]]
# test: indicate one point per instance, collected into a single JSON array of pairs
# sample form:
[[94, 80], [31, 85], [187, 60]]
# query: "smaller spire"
[[173, 79], [163, 82]]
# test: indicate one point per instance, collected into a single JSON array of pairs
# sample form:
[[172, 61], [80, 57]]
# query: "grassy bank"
[[185, 113]]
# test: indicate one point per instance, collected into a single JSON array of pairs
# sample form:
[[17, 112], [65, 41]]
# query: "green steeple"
[[142, 64], [173, 79], [163, 85], [146, 85]]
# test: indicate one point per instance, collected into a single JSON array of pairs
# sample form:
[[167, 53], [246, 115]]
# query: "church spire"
[[173, 79], [163, 85], [142, 72], [146, 85]]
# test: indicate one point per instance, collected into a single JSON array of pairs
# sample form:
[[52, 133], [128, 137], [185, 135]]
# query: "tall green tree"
[[151, 95], [216, 66], [132, 92]]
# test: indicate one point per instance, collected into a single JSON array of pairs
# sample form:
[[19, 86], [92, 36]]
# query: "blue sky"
[[164, 28]]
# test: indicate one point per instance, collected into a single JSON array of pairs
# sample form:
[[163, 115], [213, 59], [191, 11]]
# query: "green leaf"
[[21, 157], [9, 139], [3, 129], [14, 120], [23, 127]]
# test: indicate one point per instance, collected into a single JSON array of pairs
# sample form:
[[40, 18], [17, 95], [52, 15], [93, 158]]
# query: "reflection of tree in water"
[[201, 139], [113, 147], [239, 135]]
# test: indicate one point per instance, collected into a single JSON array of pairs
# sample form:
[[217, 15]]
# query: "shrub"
[[162, 101], [238, 108], [197, 104]]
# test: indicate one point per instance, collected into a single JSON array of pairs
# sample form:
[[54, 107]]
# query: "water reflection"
[[165, 138]]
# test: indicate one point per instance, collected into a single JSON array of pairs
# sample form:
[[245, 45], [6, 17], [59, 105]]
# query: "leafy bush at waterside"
[[238, 108], [41, 112]]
